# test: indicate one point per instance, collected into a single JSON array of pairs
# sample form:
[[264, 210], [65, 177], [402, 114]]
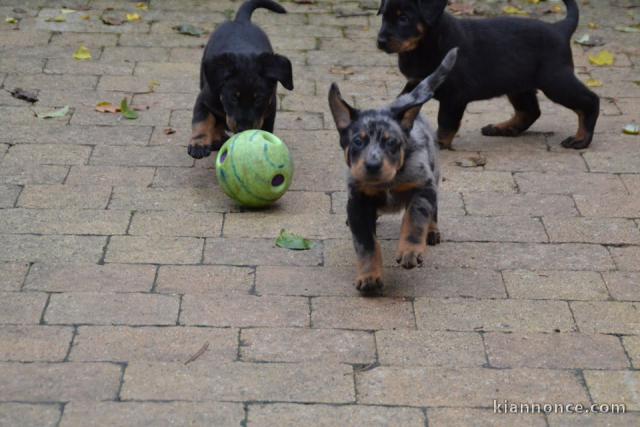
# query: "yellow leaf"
[[512, 10], [107, 107], [593, 25], [132, 17], [602, 59], [142, 6], [153, 84], [11, 20], [86, 17], [534, 1], [556, 9], [594, 83], [65, 11], [82, 54], [59, 18]]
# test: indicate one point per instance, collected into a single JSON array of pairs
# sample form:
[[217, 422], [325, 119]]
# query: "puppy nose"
[[373, 166], [382, 42]]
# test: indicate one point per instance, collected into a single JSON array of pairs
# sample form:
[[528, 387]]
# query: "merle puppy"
[[238, 81], [393, 164], [502, 56]]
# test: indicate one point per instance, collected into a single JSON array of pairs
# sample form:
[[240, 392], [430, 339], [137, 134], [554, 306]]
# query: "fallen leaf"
[[472, 162], [11, 20], [591, 41], [602, 59], [594, 83], [112, 19], [628, 28], [462, 9], [293, 241], [133, 17], [169, 131], [59, 18], [82, 54], [107, 107], [189, 30], [127, 112], [24, 95], [54, 114], [66, 11], [593, 25], [142, 6], [153, 84], [198, 353], [85, 17], [534, 1], [512, 10], [631, 129], [343, 71]]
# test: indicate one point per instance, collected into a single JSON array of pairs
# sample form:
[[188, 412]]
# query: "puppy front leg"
[[418, 222], [449, 119], [362, 220], [410, 86], [207, 133]]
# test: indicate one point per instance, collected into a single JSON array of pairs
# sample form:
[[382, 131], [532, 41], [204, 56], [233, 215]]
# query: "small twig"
[[199, 353]]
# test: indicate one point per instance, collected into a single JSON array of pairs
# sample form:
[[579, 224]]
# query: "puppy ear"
[[343, 113], [220, 68], [383, 3], [277, 67], [432, 10]]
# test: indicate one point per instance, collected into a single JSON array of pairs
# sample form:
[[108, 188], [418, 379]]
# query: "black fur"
[[503, 56], [238, 80]]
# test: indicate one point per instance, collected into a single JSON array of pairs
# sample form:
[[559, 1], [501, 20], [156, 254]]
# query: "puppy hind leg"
[[434, 237], [527, 111], [568, 91]]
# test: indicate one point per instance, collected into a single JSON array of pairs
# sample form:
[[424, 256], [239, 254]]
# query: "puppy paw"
[[434, 237], [576, 144], [199, 151], [369, 283], [493, 130], [410, 258]]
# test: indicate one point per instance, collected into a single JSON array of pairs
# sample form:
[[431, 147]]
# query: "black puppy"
[[502, 56], [238, 81], [393, 164]]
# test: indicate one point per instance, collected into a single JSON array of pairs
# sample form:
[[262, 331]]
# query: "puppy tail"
[[570, 23], [246, 10]]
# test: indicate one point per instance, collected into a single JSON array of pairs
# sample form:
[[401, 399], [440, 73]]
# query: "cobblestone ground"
[[121, 259]]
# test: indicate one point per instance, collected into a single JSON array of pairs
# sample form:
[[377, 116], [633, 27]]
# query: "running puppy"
[[502, 56], [238, 81], [393, 164]]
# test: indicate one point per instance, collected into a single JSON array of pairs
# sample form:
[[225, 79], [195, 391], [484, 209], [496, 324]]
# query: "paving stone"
[[90, 278], [153, 344], [493, 315], [632, 347], [63, 221], [112, 309], [613, 162], [359, 313], [13, 64], [71, 66], [24, 39], [609, 420], [34, 343], [481, 418], [282, 414], [535, 161], [12, 276], [466, 181], [162, 414], [632, 183], [110, 176], [466, 387], [576, 183], [493, 229], [64, 381], [141, 84], [154, 250], [327, 383], [29, 415], [614, 387], [51, 249], [239, 310], [43, 154], [169, 199], [202, 279], [21, 308], [63, 196], [426, 348], [608, 205], [257, 252], [52, 133], [87, 115], [32, 174], [544, 284], [50, 81], [176, 224], [267, 225], [623, 285], [307, 345], [626, 258], [9, 195], [606, 317], [592, 230], [337, 281], [133, 54], [555, 351]]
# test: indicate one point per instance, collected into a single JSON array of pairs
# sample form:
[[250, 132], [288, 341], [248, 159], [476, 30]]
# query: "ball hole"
[[277, 180], [223, 156]]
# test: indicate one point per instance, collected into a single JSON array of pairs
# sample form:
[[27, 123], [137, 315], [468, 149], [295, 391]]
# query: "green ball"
[[254, 168]]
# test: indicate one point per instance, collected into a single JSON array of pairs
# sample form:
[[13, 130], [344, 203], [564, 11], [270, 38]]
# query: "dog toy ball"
[[254, 168]]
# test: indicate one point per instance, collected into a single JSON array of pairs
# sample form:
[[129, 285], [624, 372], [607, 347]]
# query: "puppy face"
[[405, 23], [247, 86]]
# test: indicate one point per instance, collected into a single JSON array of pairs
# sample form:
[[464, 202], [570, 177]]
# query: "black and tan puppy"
[[502, 56], [393, 164], [238, 81]]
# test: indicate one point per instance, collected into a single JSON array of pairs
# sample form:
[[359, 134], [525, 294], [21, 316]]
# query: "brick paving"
[[121, 260]]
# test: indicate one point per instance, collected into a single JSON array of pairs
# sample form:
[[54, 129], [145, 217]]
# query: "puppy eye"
[[403, 19], [357, 142]]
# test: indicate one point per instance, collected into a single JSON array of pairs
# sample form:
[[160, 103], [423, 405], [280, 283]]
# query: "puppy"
[[502, 56], [393, 164], [238, 81]]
